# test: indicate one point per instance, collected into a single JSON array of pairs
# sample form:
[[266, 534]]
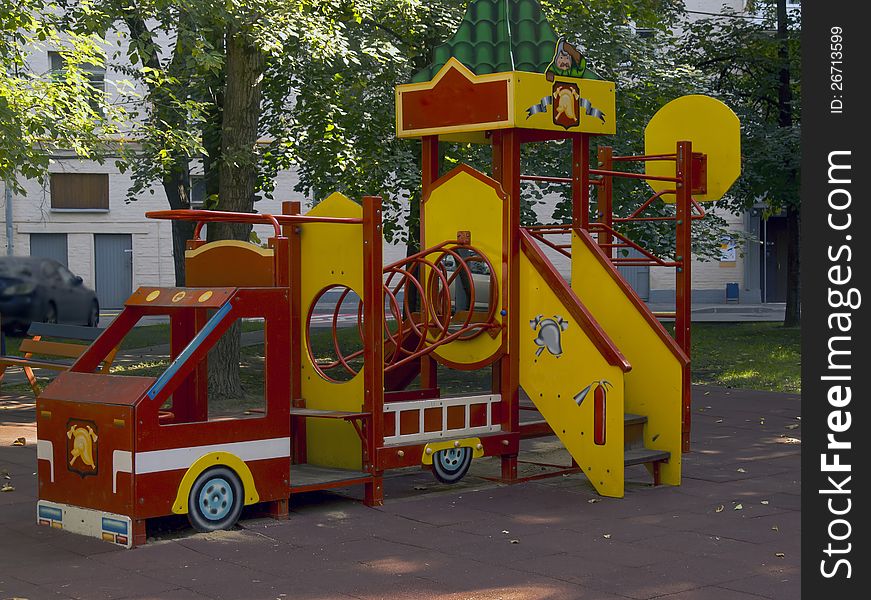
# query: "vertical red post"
[[185, 405], [280, 259], [190, 401], [373, 344], [581, 181], [506, 170], [683, 275], [429, 154], [605, 204], [291, 232]]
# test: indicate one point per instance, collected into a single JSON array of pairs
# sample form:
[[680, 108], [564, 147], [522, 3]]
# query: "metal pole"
[[10, 245], [683, 278], [764, 260]]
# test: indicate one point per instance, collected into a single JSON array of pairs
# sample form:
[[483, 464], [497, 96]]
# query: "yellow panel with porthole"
[[466, 200], [332, 255]]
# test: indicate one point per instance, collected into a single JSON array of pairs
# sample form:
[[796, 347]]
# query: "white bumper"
[[109, 527]]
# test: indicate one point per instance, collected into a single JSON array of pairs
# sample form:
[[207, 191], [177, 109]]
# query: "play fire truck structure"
[[593, 361]]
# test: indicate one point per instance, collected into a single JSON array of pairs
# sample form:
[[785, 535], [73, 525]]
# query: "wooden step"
[[630, 419], [308, 478], [639, 456], [633, 431], [326, 414]]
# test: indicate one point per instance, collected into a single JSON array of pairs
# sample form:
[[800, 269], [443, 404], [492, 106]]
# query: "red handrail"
[[220, 216]]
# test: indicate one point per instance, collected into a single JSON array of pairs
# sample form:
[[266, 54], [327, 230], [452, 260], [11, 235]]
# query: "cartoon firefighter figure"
[[568, 62]]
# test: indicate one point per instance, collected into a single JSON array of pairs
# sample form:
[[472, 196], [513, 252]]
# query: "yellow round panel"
[[205, 296], [713, 129], [178, 297], [152, 296]]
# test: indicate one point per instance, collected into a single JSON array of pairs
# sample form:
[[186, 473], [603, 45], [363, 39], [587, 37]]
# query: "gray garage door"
[[113, 259], [638, 277], [49, 245]]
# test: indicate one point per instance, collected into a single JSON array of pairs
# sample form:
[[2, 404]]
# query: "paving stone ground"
[[542, 539]]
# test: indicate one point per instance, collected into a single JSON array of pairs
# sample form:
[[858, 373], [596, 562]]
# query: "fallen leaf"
[[780, 555], [514, 542], [7, 487], [19, 442], [792, 426], [607, 536], [738, 507], [720, 508]]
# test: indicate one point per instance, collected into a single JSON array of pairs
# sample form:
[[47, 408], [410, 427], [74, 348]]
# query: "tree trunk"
[[176, 180], [792, 317], [176, 185], [237, 172], [793, 268]]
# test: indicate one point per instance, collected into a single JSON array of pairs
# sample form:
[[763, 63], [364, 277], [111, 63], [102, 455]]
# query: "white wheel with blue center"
[[216, 500], [451, 464]]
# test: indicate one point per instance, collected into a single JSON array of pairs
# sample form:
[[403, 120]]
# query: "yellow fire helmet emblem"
[[83, 445], [565, 103]]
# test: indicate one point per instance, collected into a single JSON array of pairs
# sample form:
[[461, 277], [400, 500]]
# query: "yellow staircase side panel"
[[653, 386], [554, 382], [332, 255]]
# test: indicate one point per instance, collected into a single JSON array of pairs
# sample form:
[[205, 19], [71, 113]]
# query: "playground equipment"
[[589, 357]]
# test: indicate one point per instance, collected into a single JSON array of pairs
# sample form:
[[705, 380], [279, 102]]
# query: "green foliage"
[[648, 74], [741, 65], [342, 132], [41, 111]]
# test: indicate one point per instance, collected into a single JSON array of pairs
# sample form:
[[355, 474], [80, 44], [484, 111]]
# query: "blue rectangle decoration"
[[114, 526], [51, 512]]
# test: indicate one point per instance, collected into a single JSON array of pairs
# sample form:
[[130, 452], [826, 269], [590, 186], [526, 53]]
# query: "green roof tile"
[[496, 36]]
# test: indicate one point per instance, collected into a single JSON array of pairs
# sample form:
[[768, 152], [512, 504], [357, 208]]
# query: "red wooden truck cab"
[[115, 450]]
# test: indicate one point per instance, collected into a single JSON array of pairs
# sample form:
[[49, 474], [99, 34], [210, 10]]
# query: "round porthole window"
[[334, 333]]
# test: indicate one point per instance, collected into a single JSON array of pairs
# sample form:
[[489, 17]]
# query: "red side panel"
[[455, 101]]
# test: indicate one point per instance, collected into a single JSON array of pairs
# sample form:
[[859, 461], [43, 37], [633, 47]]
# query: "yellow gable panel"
[[565, 104]]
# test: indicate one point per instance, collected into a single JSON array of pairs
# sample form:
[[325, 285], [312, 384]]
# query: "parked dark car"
[[41, 289]]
